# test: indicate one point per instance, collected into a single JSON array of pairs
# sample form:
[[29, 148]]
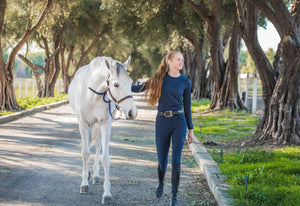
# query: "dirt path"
[[40, 163]]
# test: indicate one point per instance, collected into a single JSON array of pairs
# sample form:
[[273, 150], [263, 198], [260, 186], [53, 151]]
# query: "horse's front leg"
[[84, 131], [96, 177], [105, 134]]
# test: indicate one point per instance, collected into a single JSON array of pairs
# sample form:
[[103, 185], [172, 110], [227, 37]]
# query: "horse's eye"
[[116, 84]]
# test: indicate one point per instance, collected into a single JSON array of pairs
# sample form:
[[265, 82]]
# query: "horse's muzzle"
[[131, 114]]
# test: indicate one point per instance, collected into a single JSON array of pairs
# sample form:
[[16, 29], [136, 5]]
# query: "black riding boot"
[[160, 187], [175, 183]]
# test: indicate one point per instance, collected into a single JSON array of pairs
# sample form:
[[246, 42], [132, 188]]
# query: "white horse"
[[96, 89]]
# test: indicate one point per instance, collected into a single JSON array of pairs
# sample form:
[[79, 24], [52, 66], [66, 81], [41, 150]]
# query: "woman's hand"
[[190, 136]]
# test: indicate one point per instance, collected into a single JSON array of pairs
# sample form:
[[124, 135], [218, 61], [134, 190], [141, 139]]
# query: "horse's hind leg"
[[84, 131], [105, 133], [96, 177]]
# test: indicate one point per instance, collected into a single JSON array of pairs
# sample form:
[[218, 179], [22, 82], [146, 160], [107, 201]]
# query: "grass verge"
[[258, 176], [32, 102]]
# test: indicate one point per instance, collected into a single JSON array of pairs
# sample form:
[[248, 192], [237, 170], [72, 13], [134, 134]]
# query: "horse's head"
[[119, 84]]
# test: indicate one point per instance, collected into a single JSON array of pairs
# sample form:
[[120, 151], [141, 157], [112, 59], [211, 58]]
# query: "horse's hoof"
[[96, 181], [84, 189], [107, 200]]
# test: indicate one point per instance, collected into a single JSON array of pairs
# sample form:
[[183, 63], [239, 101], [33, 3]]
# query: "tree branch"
[[270, 14], [201, 10], [30, 64], [286, 20], [241, 13]]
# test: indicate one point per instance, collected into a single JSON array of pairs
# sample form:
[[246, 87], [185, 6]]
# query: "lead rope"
[[108, 102]]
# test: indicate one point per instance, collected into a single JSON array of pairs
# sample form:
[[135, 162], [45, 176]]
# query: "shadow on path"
[[40, 163]]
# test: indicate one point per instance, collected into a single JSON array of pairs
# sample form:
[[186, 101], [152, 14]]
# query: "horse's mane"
[[96, 62]]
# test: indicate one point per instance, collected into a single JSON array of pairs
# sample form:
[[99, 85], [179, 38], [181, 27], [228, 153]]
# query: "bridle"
[[108, 91], [111, 95]]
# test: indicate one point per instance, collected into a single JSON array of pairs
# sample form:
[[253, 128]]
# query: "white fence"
[[27, 87], [250, 90]]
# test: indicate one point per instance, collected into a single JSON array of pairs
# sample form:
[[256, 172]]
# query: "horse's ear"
[[126, 64], [107, 64]]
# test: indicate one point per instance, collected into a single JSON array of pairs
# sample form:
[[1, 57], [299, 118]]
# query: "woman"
[[172, 91]]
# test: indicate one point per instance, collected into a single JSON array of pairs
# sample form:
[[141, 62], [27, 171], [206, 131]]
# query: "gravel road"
[[40, 163]]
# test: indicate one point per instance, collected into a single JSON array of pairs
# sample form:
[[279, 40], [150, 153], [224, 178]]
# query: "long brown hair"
[[154, 84]]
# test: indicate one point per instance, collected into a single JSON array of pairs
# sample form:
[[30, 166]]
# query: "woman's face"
[[176, 62]]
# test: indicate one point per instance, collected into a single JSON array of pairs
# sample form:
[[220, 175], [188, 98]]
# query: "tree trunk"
[[216, 52], [55, 66], [7, 93], [283, 123], [229, 97], [50, 70], [213, 20], [188, 65], [199, 78], [65, 66]]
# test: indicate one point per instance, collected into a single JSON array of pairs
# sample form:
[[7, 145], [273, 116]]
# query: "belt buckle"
[[168, 114]]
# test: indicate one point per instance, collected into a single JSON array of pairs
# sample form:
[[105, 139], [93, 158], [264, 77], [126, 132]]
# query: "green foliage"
[[249, 66], [270, 55], [242, 58], [20, 15], [246, 63], [273, 178], [4, 112], [32, 102], [152, 28]]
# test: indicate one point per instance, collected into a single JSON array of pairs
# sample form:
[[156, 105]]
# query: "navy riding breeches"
[[167, 129]]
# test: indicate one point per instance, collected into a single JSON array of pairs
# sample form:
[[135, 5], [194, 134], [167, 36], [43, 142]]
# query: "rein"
[[113, 98]]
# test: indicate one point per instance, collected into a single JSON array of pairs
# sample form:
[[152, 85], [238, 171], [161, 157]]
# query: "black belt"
[[170, 113]]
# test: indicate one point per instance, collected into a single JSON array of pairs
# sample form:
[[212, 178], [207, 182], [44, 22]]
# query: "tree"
[[154, 27], [279, 122], [192, 28], [225, 94], [68, 37], [229, 97], [7, 92], [87, 25]]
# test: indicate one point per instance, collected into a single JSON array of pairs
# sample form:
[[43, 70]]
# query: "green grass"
[[32, 102], [199, 106], [273, 177], [224, 125]]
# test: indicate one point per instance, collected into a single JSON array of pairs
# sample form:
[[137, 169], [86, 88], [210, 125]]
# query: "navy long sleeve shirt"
[[175, 95]]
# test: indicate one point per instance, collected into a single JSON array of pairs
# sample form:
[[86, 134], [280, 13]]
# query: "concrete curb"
[[212, 173], [17, 115]]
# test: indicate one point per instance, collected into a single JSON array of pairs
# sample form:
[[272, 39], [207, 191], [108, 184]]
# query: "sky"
[[268, 38]]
